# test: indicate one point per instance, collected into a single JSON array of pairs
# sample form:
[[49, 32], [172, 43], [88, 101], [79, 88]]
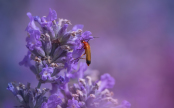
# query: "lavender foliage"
[[56, 52]]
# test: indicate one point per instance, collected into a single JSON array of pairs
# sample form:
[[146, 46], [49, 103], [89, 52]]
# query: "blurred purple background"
[[136, 45]]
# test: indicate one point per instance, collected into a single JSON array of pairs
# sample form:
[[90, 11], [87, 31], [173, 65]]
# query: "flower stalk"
[[39, 84]]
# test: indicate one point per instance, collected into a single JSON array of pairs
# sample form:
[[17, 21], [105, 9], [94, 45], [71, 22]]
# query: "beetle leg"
[[83, 54], [82, 58]]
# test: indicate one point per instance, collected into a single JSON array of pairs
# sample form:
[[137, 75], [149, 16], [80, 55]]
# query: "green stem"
[[39, 84]]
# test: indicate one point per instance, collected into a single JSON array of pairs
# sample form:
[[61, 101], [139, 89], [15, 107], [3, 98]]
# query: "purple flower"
[[26, 60], [86, 36], [77, 27], [45, 21], [42, 21], [12, 89], [33, 40], [107, 81], [62, 31], [73, 103], [52, 15], [31, 25], [46, 73], [52, 102], [62, 80]]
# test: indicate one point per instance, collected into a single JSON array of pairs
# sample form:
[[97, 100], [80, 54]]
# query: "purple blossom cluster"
[[52, 47], [53, 55], [84, 93]]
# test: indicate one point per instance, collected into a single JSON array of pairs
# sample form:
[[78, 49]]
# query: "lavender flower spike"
[[87, 94], [27, 96], [46, 73], [52, 47]]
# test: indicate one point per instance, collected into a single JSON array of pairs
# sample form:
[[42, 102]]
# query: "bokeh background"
[[136, 45]]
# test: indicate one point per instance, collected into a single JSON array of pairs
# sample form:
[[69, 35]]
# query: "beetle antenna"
[[96, 37]]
